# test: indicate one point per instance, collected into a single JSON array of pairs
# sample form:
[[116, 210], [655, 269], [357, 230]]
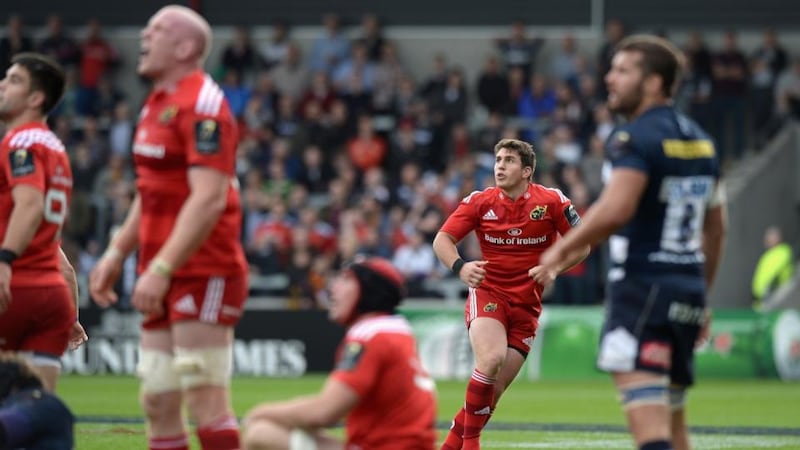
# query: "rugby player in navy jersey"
[[664, 214]]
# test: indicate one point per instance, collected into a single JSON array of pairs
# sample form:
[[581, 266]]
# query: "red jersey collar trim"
[[180, 83], [28, 126], [525, 196]]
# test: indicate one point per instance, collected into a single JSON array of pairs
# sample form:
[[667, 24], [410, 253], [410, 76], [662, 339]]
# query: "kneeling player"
[[30, 417], [378, 386]]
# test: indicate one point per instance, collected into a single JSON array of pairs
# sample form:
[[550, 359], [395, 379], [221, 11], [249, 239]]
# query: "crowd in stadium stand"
[[344, 152]]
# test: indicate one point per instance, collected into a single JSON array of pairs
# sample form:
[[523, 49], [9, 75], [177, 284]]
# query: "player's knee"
[[204, 366], [161, 407], [157, 372], [649, 392], [490, 363]]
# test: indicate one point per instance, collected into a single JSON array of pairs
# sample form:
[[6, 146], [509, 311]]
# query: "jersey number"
[[55, 208], [686, 200]]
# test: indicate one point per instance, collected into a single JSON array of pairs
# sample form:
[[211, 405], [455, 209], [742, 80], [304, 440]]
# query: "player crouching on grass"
[[30, 417], [378, 386]]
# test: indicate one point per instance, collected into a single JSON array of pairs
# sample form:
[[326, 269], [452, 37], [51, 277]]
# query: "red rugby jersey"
[[190, 125], [397, 402], [513, 234], [32, 155]]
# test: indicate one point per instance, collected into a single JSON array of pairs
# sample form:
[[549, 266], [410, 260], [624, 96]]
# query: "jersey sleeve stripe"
[[209, 100], [27, 138], [364, 331]]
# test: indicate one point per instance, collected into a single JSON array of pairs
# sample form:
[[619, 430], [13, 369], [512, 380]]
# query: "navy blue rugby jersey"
[[664, 237]]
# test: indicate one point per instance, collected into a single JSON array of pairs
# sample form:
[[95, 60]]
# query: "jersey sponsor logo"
[[21, 161], [149, 150], [658, 354], [490, 307], [572, 216], [694, 149], [206, 133], [60, 178], [351, 356], [515, 240], [167, 114], [490, 215], [538, 212], [515, 232]]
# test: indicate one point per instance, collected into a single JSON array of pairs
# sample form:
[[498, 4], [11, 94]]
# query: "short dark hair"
[[525, 151], [46, 76], [659, 57], [16, 373]]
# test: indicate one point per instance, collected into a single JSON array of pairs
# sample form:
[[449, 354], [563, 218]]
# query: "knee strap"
[[157, 372], [651, 392], [204, 366], [677, 397]]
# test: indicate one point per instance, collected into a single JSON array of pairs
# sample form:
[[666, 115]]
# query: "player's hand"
[[705, 331], [544, 275], [552, 257], [77, 336], [149, 292], [5, 286], [101, 281], [473, 273]]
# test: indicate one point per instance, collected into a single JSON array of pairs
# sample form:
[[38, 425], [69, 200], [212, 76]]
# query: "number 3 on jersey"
[[55, 208], [686, 200]]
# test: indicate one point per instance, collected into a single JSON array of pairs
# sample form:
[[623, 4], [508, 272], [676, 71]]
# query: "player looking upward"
[[514, 221]]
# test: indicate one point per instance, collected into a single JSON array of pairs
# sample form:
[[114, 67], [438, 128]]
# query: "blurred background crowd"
[[344, 151]]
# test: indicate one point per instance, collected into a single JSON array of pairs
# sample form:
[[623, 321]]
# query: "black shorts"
[[652, 327]]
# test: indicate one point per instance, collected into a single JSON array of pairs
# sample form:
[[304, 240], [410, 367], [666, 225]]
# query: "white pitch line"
[[704, 442]]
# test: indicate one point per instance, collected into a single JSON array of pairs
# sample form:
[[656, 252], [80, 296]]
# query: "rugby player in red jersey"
[[378, 387], [37, 313], [514, 221], [185, 221]]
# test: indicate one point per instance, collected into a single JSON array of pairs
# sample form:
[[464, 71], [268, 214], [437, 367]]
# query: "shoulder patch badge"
[[21, 161], [351, 355], [538, 212], [206, 136], [572, 216], [617, 144]]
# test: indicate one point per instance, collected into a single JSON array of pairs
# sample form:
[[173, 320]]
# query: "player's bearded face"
[[625, 83]]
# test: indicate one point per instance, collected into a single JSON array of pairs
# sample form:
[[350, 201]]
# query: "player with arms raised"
[[665, 209], [515, 221], [37, 313], [186, 221]]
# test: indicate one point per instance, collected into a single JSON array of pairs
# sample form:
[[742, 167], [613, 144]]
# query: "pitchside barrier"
[[744, 344]]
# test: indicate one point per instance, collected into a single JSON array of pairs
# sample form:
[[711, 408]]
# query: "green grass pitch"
[[725, 414]]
